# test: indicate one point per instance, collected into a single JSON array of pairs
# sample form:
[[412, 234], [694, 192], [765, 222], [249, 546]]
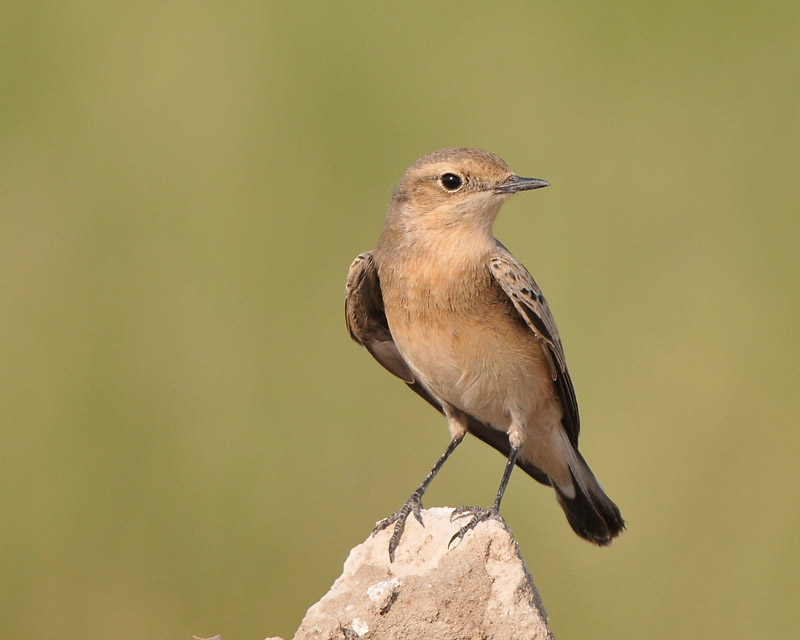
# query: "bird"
[[444, 306]]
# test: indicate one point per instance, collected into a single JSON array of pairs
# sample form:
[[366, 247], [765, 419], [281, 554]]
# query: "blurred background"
[[190, 442]]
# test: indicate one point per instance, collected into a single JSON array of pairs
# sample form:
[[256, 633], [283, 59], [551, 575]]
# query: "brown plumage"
[[444, 306]]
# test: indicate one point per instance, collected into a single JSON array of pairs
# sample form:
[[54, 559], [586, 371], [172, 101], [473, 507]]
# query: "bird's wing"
[[367, 324], [524, 293], [366, 319]]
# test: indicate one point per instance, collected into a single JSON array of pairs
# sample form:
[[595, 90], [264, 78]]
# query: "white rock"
[[477, 589]]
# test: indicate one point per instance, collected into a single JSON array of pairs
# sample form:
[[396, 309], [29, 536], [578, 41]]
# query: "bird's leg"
[[414, 502], [479, 514]]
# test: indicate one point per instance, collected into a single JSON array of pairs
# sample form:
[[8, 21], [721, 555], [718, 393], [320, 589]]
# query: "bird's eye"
[[451, 181]]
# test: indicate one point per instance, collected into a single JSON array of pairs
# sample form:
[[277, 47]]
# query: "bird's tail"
[[591, 513]]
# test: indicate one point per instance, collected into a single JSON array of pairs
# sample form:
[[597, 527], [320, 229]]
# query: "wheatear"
[[445, 307]]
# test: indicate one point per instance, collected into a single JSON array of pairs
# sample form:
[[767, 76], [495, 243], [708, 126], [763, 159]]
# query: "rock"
[[220, 638], [477, 589]]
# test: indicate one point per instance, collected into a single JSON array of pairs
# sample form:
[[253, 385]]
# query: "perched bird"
[[446, 308]]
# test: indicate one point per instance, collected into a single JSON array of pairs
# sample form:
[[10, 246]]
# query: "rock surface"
[[477, 589]]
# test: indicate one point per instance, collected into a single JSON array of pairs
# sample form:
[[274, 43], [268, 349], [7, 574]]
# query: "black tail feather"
[[591, 513]]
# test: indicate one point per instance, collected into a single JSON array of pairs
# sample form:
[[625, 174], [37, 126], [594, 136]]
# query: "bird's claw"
[[479, 514], [412, 506]]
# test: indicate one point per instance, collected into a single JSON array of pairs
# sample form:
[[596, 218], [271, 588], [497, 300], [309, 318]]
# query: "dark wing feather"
[[529, 302], [366, 319], [367, 324]]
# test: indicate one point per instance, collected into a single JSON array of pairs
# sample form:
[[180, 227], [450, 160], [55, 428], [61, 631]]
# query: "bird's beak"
[[517, 183]]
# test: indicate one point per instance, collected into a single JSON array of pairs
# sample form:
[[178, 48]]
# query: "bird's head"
[[455, 188]]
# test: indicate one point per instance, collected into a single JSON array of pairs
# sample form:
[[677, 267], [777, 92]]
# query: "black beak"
[[517, 183]]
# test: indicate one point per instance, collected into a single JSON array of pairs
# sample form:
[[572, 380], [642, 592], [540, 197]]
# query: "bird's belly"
[[490, 372]]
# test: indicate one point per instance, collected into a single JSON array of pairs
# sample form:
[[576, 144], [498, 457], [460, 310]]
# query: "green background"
[[190, 443]]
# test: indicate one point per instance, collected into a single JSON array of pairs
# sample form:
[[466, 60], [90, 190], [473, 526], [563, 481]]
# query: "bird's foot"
[[398, 519], [479, 514]]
